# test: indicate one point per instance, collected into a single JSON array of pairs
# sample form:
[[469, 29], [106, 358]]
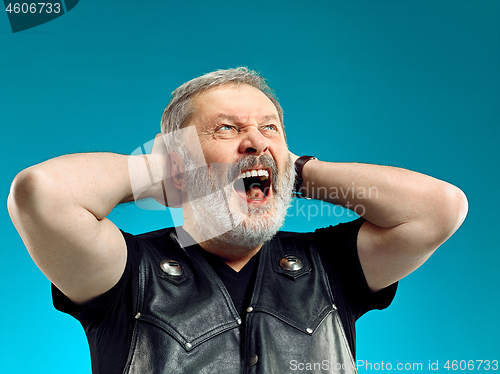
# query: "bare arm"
[[59, 208], [409, 214]]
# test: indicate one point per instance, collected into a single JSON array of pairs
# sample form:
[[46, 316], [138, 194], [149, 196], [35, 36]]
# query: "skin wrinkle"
[[210, 131]]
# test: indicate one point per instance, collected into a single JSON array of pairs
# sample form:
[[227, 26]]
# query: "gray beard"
[[218, 219]]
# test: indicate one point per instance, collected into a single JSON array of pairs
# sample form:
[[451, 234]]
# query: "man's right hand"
[[161, 168], [59, 208]]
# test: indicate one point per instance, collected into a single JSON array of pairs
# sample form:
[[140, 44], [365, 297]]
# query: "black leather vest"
[[187, 323]]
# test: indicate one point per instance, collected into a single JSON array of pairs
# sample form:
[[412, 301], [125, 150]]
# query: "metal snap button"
[[171, 267], [253, 360], [291, 263]]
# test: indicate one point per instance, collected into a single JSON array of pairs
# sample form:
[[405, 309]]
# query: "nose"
[[254, 143]]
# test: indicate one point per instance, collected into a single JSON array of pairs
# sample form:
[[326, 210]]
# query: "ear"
[[176, 171]]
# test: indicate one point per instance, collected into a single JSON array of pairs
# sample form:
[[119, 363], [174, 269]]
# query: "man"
[[225, 293]]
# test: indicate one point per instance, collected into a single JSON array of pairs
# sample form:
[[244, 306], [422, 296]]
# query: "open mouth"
[[253, 185]]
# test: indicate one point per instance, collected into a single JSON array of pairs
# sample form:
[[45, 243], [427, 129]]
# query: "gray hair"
[[179, 110]]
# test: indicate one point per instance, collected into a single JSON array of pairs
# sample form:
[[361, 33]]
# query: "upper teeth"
[[254, 173]]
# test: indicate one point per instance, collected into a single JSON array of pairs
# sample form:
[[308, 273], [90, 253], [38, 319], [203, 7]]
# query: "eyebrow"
[[269, 117]]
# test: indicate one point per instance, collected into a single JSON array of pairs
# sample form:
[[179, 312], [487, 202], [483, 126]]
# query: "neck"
[[235, 256]]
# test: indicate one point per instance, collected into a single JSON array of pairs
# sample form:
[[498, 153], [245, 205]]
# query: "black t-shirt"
[[108, 319]]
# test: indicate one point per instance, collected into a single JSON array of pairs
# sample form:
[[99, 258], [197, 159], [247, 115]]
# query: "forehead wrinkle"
[[227, 117]]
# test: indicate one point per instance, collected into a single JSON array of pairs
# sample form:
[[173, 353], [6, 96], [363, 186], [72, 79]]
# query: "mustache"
[[211, 179], [248, 162]]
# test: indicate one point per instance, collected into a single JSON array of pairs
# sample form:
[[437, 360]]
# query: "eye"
[[225, 128], [270, 127]]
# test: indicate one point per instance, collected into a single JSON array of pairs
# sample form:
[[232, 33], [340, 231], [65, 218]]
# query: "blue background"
[[414, 84]]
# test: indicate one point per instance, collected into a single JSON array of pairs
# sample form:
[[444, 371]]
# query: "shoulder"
[[155, 235], [343, 234], [290, 234], [153, 240]]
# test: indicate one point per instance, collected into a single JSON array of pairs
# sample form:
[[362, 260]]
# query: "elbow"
[[21, 189], [458, 207], [25, 189], [449, 213], [463, 205]]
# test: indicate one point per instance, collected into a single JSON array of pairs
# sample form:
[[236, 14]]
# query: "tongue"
[[255, 193]]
